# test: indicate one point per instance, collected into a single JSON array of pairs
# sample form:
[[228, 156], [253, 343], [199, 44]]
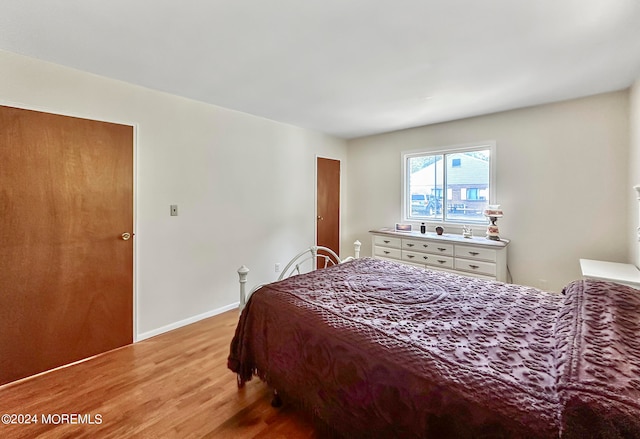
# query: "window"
[[463, 174], [474, 193]]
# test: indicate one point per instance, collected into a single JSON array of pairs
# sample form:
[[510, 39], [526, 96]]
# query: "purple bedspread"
[[379, 349]]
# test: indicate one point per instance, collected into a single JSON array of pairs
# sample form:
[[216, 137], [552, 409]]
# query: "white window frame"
[[406, 155]]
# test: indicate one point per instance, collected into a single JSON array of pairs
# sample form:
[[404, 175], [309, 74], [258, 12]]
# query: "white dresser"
[[478, 257]]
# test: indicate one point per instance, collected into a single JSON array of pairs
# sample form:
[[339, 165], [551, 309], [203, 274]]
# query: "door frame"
[[315, 200], [134, 125]]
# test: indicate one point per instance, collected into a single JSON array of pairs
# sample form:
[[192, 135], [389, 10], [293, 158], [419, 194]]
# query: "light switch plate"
[[174, 210]]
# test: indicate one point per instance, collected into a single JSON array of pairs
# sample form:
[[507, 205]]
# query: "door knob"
[[320, 218], [126, 236]]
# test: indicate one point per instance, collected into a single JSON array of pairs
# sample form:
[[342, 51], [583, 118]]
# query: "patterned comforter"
[[378, 349]]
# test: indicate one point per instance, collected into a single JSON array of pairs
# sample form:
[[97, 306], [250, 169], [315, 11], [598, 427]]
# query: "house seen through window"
[[452, 185]]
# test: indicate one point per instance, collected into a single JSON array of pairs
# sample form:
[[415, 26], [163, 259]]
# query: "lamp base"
[[492, 229]]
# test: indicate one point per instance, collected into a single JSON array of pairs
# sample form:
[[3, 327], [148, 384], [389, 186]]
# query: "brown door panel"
[[328, 204], [66, 275]]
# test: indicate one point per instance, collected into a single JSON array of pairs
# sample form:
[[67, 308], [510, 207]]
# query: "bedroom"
[[212, 162]]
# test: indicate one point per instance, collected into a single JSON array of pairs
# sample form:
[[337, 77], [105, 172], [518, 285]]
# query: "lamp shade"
[[493, 210]]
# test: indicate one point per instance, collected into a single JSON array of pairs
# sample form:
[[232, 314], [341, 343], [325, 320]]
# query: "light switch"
[[174, 210]]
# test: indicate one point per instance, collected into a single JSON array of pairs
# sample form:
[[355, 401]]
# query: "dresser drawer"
[[419, 245], [480, 267], [469, 252], [415, 257], [440, 261], [387, 241], [387, 252], [440, 248], [427, 246], [426, 258]]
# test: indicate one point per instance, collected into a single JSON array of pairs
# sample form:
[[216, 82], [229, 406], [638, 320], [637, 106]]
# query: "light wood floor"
[[175, 385]]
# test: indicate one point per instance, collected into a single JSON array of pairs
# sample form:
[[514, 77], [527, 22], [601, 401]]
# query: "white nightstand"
[[626, 274]]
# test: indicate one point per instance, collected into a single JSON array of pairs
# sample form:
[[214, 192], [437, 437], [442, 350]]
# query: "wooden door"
[[328, 204], [66, 274]]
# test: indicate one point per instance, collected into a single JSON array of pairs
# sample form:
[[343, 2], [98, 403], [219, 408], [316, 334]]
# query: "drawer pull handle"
[[474, 253], [441, 261], [386, 252], [441, 249], [410, 256], [386, 242], [474, 266], [425, 245], [426, 258], [409, 245]]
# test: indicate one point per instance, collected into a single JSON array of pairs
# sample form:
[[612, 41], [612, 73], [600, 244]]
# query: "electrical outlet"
[[277, 267], [174, 209]]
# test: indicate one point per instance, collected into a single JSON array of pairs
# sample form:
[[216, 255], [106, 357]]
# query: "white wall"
[[562, 180], [634, 170], [245, 186]]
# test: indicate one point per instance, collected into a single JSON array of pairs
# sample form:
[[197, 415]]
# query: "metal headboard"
[[294, 266]]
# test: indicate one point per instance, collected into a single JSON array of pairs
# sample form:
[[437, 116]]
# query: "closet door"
[[66, 269], [328, 204]]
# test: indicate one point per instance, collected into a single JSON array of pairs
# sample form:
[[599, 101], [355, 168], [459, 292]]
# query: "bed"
[[374, 348]]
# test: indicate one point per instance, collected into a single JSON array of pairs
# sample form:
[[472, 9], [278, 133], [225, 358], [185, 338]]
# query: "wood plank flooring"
[[175, 385]]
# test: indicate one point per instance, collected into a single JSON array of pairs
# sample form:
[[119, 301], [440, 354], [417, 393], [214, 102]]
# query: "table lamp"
[[493, 212]]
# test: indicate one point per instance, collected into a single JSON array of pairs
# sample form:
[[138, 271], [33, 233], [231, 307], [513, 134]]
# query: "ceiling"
[[349, 68]]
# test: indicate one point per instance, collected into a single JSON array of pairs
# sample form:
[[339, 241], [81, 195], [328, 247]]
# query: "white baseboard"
[[185, 322]]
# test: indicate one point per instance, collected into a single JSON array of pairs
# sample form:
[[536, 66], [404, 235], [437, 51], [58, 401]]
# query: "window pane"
[[426, 180], [468, 181]]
